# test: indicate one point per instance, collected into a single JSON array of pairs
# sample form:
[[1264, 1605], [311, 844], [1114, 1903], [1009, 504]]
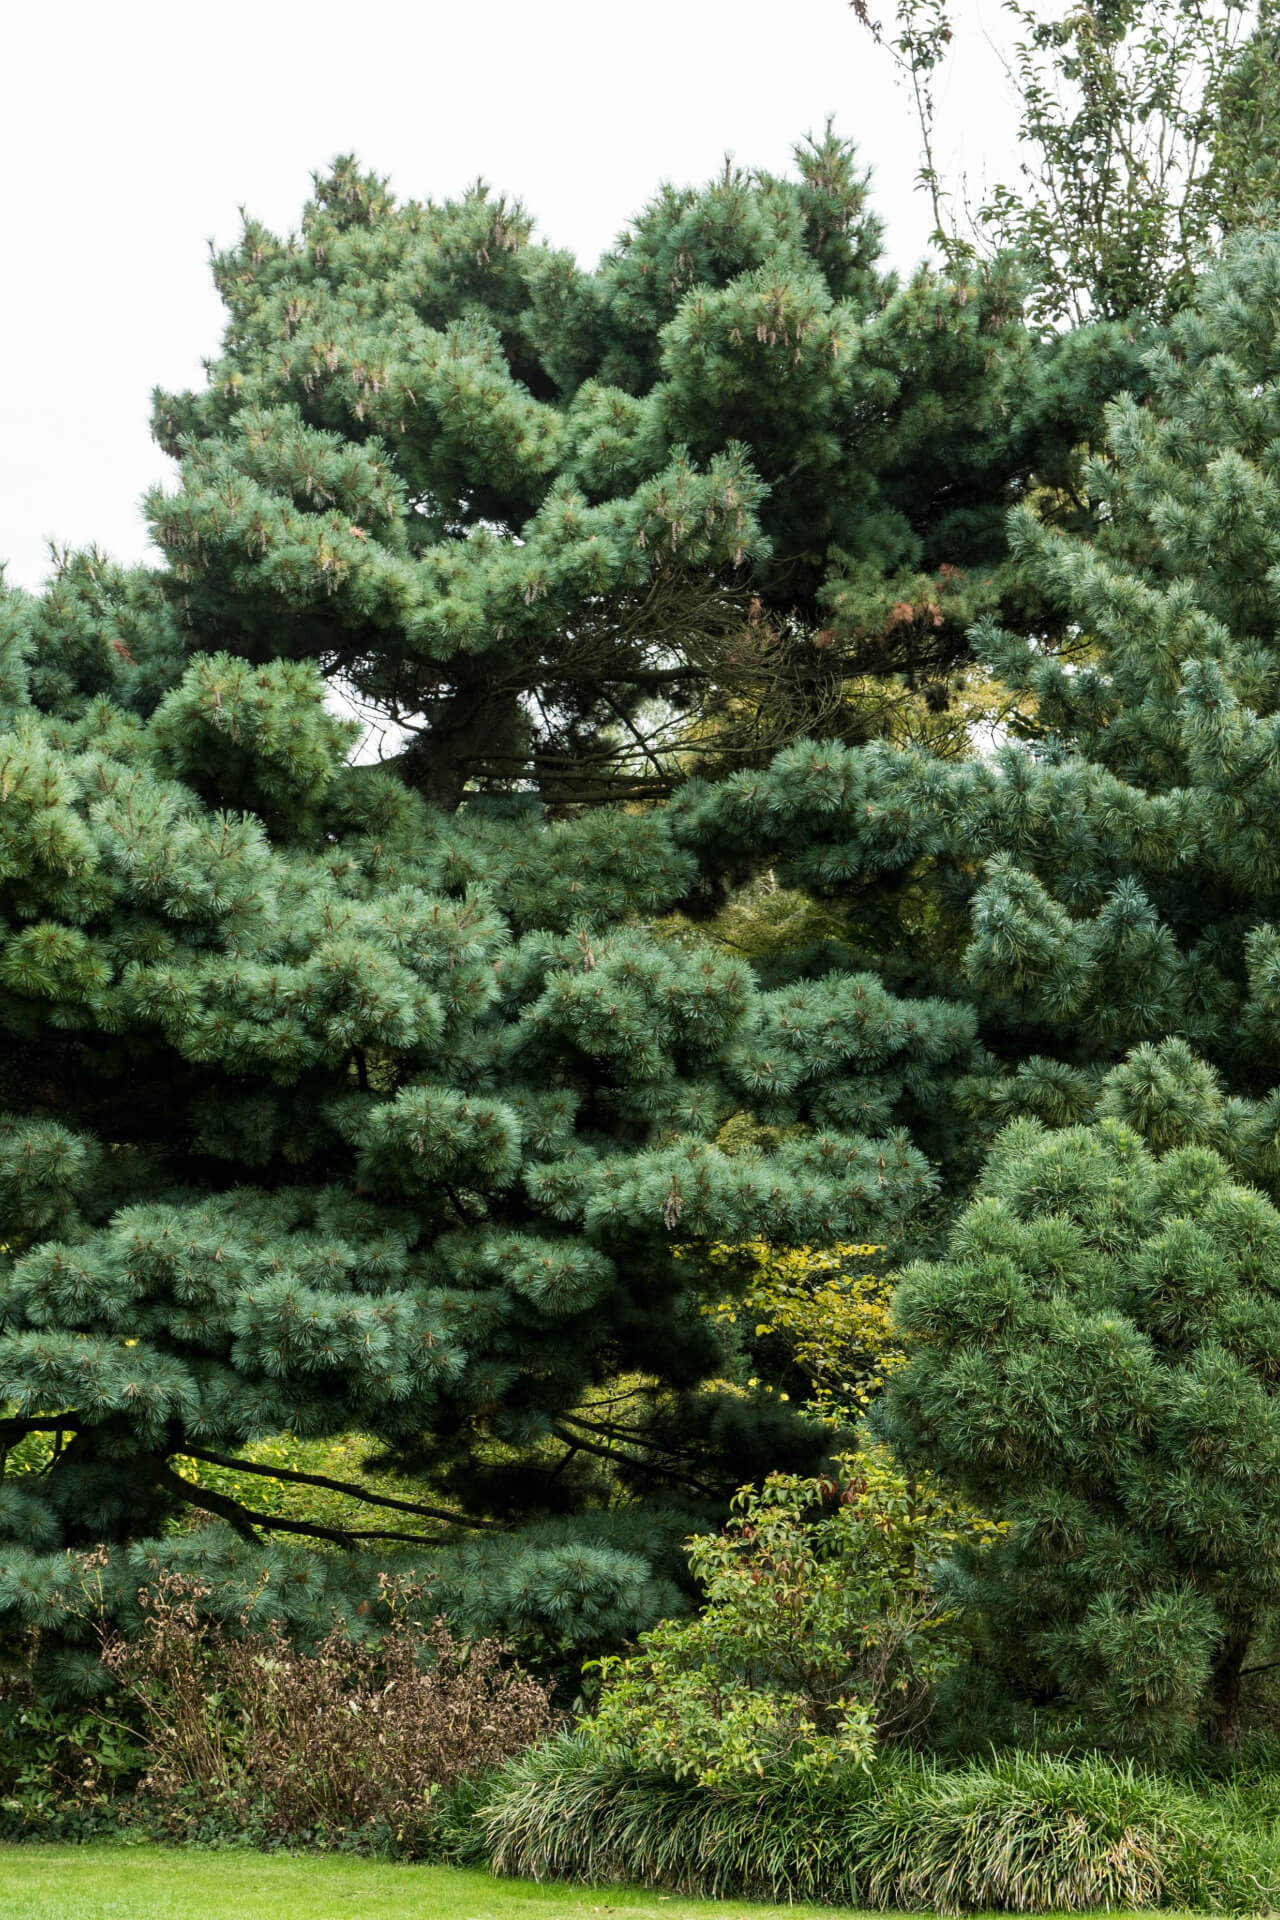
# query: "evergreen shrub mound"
[[1093, 1363], [1023, 1835]]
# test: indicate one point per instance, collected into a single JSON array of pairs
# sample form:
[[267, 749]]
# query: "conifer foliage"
[[1109, 879], [1097, 1347], [328, 1105], [323, 1112], [547, 521], [1094, 1361]]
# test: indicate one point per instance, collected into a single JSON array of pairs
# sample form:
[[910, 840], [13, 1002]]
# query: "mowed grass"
[[160, 1883]]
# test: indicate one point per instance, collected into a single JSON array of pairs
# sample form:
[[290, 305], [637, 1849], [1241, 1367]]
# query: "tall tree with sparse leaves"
[[1146, 132]]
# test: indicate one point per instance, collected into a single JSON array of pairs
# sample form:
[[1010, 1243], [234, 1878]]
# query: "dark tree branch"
[[645, 746], [611, 1453], [464, 1213], [245, 1520], [335, 1486], [17, 1426], [629, 1436], [190, 1496]]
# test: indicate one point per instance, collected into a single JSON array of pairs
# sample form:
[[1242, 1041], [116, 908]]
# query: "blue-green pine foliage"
[[323, 1107], [1105, 881], [1097, 1352], [323, 1111], [1093, 1358], [547, 519]]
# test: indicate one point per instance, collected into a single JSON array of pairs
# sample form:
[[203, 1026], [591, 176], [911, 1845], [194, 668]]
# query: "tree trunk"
[[1224, 1716], [114, 1493], [461, 730]]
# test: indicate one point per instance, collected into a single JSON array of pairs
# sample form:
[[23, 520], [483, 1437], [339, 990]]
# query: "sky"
[[132, 135]]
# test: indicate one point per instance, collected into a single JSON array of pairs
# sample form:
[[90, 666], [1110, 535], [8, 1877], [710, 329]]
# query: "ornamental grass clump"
[[1023, 1835]]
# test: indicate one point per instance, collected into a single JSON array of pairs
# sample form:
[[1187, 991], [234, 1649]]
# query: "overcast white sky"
[[132, 133]]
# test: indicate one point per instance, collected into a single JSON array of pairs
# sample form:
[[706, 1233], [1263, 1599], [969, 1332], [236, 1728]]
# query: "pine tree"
[[327, 1110], [1104, 895], [1094, 1362], [1109, 879], [553, 524], [323, 1112]]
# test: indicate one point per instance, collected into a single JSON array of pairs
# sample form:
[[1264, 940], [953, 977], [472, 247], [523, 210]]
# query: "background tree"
[[814, 1323], [1110, 879], [1143, 128], [1243, 178]]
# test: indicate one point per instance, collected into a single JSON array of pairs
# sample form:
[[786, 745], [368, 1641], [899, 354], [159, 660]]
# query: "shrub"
[[1094, 1360], [821, 1629], [352, 1740], [1025, 1835], [65, 1773]]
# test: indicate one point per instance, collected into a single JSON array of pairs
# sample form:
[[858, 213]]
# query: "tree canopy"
[[1102, 894], [328, 1112], [1146, 135], [412, 1100], [1107, 881], [579, 529]]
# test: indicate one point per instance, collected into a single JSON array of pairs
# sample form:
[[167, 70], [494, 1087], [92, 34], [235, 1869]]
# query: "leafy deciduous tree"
[[1143, 128]]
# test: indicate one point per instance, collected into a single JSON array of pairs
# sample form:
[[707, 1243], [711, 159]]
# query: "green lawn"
[[157, 1883]]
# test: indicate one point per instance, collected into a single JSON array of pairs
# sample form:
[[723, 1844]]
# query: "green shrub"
[[65, 1773], [1092, 1360], [821, 1630], [1024, 1835]]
